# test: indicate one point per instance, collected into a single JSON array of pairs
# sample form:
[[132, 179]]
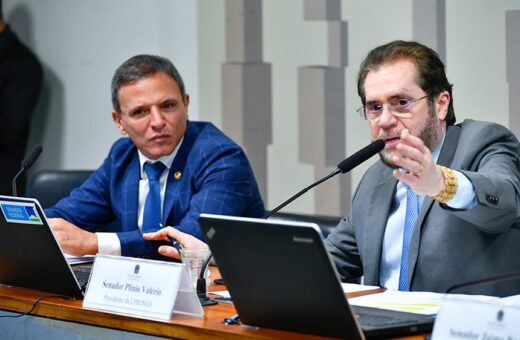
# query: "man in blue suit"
[[202, 170]]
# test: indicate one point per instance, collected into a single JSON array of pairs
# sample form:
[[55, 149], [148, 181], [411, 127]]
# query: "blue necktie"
[[412, 210], [152, 206]]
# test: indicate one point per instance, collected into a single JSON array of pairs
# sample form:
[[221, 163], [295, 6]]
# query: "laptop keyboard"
[[373, 320], [82, 274]]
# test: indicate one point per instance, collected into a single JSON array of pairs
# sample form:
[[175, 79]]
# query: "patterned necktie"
[[412, 211], [152, 206]]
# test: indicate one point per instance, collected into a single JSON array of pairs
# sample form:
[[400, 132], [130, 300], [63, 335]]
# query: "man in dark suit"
[[20, 84], [441, 207], [200, 170]]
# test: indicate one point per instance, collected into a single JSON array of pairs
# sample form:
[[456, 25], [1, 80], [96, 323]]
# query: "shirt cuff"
[[465, 197], [108, 244]]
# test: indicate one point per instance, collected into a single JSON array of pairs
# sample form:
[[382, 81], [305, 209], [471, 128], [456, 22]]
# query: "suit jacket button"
[[492, 199]]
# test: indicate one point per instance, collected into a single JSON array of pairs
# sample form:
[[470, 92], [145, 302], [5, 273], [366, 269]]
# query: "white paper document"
[[354, 287], [221, 293], [412, 302], [71, 259], [511, 300]]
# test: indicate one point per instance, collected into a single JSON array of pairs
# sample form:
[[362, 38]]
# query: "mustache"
[[389, 135]]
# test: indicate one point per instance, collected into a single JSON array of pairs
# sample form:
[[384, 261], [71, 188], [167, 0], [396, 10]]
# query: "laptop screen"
[[279, 275], [30, 256]]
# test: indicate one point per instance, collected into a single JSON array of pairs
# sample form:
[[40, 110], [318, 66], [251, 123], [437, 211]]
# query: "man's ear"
[[442, 102], [186, 101], [117, 119]]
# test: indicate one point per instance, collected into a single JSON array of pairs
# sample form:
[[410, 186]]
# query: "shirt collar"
[[166, 160], [437, 151]]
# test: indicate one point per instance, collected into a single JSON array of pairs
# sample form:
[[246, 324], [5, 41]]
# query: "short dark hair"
[[139, 67], [431, 76]]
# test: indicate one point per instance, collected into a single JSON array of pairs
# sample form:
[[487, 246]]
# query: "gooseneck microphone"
[[26, 163], [343, 167], [361, 156]]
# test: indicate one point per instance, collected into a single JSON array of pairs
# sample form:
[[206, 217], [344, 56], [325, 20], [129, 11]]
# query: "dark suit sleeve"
[[493, 170], [22, 78], [20, 84], [133, 244], [225, 185], [342, 246]]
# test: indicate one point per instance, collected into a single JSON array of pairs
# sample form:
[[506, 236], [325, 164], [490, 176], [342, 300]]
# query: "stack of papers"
[[412, 302], [71, 259], [354, 287], [425, 303], [347, 288], [511, 300]]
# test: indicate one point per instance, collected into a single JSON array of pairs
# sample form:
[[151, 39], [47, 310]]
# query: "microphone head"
[[361, 156], [31, 157]]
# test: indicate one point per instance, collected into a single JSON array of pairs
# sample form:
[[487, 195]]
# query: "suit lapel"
[[382, 196], [445, 158], [131, 196], [176, 175]]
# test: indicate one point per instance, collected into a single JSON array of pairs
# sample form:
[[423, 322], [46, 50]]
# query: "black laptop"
[[30, 256], [280, 276]]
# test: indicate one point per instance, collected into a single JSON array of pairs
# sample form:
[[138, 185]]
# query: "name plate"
[[140, 287], [476, 320]]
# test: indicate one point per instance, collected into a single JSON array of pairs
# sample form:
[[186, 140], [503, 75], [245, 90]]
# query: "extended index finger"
[[161, 234], [173, 233], [408, 139]]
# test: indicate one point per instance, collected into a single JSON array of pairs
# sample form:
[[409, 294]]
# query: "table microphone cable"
[[34, 305]]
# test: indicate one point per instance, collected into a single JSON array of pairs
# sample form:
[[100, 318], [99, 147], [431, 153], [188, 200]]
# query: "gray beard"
[[428, 135]]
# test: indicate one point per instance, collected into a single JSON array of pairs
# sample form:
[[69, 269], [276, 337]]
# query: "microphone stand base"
[[206, 301]]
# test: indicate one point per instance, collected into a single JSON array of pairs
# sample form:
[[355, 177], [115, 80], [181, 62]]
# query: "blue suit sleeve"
[[133, 244], [226, 186]]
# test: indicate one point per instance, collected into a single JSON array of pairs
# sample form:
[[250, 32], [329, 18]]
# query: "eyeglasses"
[[398, 107]]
